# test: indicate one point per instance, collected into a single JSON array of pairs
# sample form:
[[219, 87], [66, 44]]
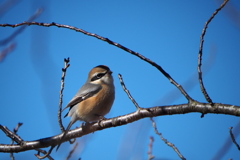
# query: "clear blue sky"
[[167, 32]]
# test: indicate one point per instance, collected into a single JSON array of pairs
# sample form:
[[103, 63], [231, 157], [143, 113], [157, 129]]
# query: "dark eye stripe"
[[98, 76]]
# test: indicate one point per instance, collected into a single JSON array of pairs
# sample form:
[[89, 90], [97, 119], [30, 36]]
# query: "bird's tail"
[[65, 132]]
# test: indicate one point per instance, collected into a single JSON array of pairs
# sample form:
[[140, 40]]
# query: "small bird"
[[94, 99]]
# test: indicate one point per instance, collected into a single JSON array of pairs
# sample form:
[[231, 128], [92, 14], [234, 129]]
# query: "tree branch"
[[195, 106], [110, 42], [20, 141]]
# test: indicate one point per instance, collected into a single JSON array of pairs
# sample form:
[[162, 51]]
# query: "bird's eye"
[[98, 76]]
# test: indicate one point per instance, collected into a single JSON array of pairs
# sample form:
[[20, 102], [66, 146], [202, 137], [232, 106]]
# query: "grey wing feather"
[[86, 91]]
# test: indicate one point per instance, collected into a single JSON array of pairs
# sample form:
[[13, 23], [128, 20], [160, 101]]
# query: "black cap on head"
[[103, 67]]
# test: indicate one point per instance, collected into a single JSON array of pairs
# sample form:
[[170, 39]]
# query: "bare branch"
[[165, 141], [64, 70], [190, 81], [150, 156], [233, 138], [110, 42], [218, 108], [19, 141], [128, 93], [200, 53]]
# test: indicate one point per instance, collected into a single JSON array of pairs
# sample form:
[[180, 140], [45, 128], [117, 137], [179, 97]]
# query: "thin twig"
[[11, 156], [200, 53], [128, 93], [110, 42], [233, 138], [71, 152], [17, 32], [165, 141], [17, 127], [150, 156], [224, 149], [64, 70]]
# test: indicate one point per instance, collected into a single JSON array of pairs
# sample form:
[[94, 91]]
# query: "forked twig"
[[200, 52], [167, 142], [128, 93], [19, 140]]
